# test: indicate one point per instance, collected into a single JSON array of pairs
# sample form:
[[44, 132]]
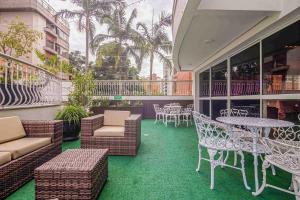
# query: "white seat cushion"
[[115, 117], [110, 131], [23, 146], [11, 128], [5, 157]]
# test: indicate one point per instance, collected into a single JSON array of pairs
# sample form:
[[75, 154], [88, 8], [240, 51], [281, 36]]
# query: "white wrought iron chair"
[[217, 138], [284, 154], [186, 114], [233, 112], [159, 113], [172, 114]]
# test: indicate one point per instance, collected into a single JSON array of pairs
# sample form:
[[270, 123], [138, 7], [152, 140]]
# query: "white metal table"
[[255, 125]]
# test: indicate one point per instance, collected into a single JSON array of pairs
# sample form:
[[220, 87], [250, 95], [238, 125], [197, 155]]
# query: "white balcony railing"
[[143, 88], [23, 84]]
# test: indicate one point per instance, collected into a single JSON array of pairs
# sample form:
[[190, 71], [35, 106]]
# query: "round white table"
[[255, 125]]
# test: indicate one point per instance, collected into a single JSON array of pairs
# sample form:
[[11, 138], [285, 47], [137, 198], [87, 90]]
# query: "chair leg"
[[296, 184], [155, 119], [226, 158], [273, 170], [265, 165], [235, 159], [212, 154], [199, 157], [243, 169]]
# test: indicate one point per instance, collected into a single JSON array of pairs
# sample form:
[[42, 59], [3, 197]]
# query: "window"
[[204, 107], [61, 34], [245, 74], [252, 106], [281, 61], [282, 109], [204, 83], [217, 106], [219, 79]]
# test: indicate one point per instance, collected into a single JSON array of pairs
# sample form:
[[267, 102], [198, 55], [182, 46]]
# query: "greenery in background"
[[156, 41], [103, 101], [82, 94], [126, 39], [106, 59], [53, 63], [18, 39], [87, 13], [72, 114]]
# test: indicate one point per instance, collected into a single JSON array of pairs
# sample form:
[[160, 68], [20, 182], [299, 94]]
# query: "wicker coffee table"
[[74, 174]]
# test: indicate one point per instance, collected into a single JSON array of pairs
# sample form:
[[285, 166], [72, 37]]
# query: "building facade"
[[39, 15], [244, 54]]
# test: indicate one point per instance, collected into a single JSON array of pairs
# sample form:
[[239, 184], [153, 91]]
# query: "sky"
[[145, 11]]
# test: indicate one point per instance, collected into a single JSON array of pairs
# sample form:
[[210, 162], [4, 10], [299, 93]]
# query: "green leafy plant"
[[84, 85], [138, 103], [103, 101], [72, 114], [123, 103]]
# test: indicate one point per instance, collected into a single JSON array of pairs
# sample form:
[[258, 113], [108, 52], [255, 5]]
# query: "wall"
[[33, 113]]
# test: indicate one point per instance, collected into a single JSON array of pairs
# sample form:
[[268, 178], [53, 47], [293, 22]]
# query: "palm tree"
[[156, 40], [121, 32], [88, 13]]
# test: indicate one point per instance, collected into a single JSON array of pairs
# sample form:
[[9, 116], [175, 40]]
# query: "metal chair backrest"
[[214, 135], [233, 112], [157, 108]]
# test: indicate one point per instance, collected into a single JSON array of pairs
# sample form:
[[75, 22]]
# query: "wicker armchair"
[[16, 172], [126, 143]]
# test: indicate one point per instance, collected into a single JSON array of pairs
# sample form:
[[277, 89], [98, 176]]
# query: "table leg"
[[255, 155]]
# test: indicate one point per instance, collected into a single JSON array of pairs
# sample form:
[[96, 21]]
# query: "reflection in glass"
[[204, 83], [204, 107], [245, 72], [281, 61], [288, 110], [218, 105], [252, 106], [219, 79]]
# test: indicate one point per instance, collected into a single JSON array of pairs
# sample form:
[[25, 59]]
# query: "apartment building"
[[39, 15]]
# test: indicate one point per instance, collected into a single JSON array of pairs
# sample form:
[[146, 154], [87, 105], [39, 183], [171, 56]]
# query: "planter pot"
[[70, 131]]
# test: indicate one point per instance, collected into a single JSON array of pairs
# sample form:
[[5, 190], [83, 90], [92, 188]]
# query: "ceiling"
[[207, 30]]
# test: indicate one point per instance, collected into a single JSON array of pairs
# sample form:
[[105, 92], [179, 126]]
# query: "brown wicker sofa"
[[25, 145], [119, 131]]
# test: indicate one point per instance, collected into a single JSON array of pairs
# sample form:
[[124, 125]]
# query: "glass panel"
[[219, 79], [281, 61], [204, 107], [282, 109], [245, 72], [252, 106], [204, 84], [218, 105]]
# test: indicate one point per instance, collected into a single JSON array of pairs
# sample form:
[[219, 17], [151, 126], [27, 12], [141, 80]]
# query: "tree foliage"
[[53, 63], [156, 41], [88, 12], [105, 67], [18, 39]]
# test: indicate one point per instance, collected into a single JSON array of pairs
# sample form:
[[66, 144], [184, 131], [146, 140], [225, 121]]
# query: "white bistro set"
[[173, 112], [276, 142]]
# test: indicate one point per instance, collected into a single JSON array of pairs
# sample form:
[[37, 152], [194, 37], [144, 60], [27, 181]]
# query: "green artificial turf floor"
[[165, 169]]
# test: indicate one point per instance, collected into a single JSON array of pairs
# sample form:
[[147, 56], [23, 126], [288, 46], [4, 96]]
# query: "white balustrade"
[[23, 84]]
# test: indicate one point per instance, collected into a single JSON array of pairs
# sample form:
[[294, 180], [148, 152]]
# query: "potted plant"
[[71, 116]]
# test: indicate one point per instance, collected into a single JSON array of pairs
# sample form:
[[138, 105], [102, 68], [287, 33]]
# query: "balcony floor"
[[165, 169]]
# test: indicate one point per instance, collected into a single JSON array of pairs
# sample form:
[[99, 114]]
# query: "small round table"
[[255, 125]]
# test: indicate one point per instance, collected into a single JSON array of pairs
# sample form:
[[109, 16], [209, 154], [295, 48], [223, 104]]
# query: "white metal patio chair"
[[217, 138], [172, 114], [284, 154], [159, 113], [186, 114]]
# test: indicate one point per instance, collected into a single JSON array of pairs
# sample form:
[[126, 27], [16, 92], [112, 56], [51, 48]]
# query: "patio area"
[[165, 169]]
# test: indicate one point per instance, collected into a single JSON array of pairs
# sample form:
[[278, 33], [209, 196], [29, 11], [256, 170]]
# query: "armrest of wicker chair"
[[90, 124], [37, 128], [133, 125]]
